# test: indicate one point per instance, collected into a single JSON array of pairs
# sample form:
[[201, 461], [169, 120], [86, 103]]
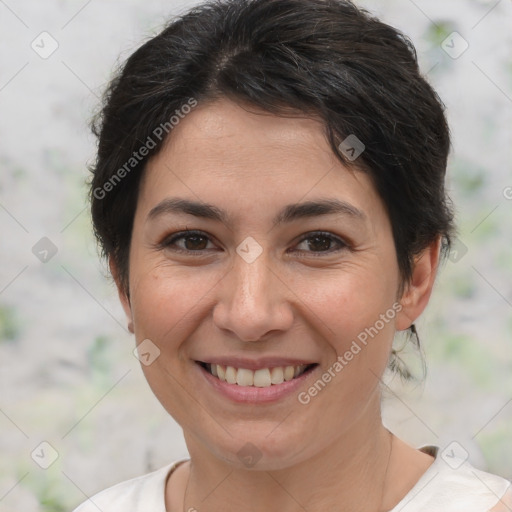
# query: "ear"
[[123, 297], [417, 292]]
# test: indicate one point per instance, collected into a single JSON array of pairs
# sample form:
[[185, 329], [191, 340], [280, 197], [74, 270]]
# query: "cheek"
[[166, 299], [347, 302], [169, 302], [355, 315], [167, 305], [358, 324]]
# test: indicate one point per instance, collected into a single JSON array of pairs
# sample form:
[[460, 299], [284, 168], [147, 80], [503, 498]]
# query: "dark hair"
[[322, 58]]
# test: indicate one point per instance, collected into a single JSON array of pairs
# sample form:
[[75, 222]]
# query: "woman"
[[269, 192]]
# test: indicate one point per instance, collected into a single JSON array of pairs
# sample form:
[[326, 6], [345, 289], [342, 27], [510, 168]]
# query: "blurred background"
[[76, 414]]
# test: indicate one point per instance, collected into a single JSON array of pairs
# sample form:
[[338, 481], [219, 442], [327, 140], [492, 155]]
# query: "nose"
[[254, 301]]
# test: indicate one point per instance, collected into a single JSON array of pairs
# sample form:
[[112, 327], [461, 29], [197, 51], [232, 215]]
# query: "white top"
[[449, 485]]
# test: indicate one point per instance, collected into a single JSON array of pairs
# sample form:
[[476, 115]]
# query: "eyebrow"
[[289, 213]]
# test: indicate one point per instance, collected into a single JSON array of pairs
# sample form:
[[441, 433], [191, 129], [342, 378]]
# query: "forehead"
[[231, 134], [239, 155]]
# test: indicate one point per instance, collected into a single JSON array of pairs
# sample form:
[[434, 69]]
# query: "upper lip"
[[255, 364]]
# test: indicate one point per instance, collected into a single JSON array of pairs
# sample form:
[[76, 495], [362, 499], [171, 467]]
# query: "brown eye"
[[322, 243], [317, 243], [193, 241]]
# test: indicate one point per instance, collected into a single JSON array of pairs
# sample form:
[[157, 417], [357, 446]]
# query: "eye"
[[194, 241], [320, 242], [197, 242]]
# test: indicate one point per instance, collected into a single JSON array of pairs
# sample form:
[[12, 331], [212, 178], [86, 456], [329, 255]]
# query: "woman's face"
[[249, 292]]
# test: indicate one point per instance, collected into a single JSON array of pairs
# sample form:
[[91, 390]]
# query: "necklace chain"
[[387, 467]]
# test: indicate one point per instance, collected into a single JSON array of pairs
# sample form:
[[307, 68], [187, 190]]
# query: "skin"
[[295, 299]]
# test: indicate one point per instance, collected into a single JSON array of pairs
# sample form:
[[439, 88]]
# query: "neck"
[[352, 470]]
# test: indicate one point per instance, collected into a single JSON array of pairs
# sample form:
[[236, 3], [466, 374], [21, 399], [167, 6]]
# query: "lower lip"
[[253, 394]]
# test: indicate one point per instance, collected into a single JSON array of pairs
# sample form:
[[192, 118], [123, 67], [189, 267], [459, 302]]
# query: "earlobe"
[[123, 296], [417, 292]]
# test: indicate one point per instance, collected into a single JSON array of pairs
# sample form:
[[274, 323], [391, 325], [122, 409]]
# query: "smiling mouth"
[[262, 378]]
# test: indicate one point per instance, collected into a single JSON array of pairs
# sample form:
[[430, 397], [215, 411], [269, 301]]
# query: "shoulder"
[[505, 502], [138, 494], [452, 484], [481, 491]]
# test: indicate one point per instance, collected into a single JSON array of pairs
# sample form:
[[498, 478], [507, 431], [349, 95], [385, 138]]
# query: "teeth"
[[231, 375], [277, 375], [262, 378], [243, 377], [289, 372]]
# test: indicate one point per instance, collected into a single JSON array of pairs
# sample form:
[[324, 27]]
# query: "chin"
[[262, 451]]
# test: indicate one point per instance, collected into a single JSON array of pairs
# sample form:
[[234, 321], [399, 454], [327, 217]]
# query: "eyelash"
[[168, 241]]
